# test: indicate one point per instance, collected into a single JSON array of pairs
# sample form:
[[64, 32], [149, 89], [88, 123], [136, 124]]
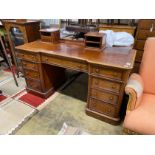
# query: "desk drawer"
[[144, 34], [104, 96], [31, 74], [109, 73], [105, 84], [67, 63], [26, 56], [33, 84], [101, 107], [30, 65], [146, 24]]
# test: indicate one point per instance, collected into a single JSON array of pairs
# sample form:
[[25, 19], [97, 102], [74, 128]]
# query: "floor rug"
[[4, 76], [31, 99], [9, 70], [13, 115], [68, 106], [9, 88], [2, 97]]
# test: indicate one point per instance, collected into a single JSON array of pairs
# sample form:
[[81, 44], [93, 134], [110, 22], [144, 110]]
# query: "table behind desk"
[[44, 69]]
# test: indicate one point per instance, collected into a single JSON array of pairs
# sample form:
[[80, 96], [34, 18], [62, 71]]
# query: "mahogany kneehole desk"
[[44, 69]]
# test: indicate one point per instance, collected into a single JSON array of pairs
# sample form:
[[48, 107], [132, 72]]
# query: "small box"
[[95, 40], [50, 35]]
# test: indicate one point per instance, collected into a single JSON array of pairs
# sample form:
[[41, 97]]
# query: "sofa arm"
[[134, 89]]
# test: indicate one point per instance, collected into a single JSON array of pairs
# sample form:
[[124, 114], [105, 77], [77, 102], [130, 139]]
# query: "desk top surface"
[[121, 57]]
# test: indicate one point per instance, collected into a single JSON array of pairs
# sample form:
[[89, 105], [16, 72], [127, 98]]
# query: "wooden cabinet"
[[20, 32], [145, 29]]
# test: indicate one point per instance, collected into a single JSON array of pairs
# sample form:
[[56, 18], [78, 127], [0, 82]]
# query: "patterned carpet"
[[13, 113]]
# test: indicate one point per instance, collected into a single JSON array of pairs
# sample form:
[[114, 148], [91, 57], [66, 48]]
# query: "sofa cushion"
[[142, 119], [147, 71]]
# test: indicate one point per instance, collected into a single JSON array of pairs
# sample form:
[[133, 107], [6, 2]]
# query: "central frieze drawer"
[[105, 72], [101, 107], [77, 65], [30, 65], [31, 74], [104, 96], [105, 84]]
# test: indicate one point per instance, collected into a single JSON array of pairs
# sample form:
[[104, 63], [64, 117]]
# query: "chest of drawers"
[[106, 90], [41, 79], [145, 29]]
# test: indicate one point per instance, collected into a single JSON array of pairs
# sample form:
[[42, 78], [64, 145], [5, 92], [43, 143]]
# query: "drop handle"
[[113, 87], [95, 94], [115, 74], [96, 82], [152, 27], [97, 70], [79, 66], [46, 59], [111, 98]]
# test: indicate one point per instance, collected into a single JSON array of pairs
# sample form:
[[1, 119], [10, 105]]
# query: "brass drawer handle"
[[95, 93], [97, 70], [96, 82], [27, 73], [32, 57], [111, 98], [115, 74], [22, 55], [46, 59], [79, 66], [113, 87]]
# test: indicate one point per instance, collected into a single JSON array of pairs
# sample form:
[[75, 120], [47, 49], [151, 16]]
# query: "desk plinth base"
[[102, 117], [41, 94]]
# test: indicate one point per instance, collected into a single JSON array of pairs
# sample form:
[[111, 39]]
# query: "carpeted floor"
[[69, 107], [13, 113]]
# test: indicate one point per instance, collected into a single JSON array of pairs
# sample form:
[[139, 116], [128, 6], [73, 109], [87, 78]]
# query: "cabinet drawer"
[[30, 65], [31, 74], [146, 24], [67, 63], [104, 96], [144, 34], [105, 84], [113, 74], [33, 84], [139, 44], [26, 56], [101, 107]]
